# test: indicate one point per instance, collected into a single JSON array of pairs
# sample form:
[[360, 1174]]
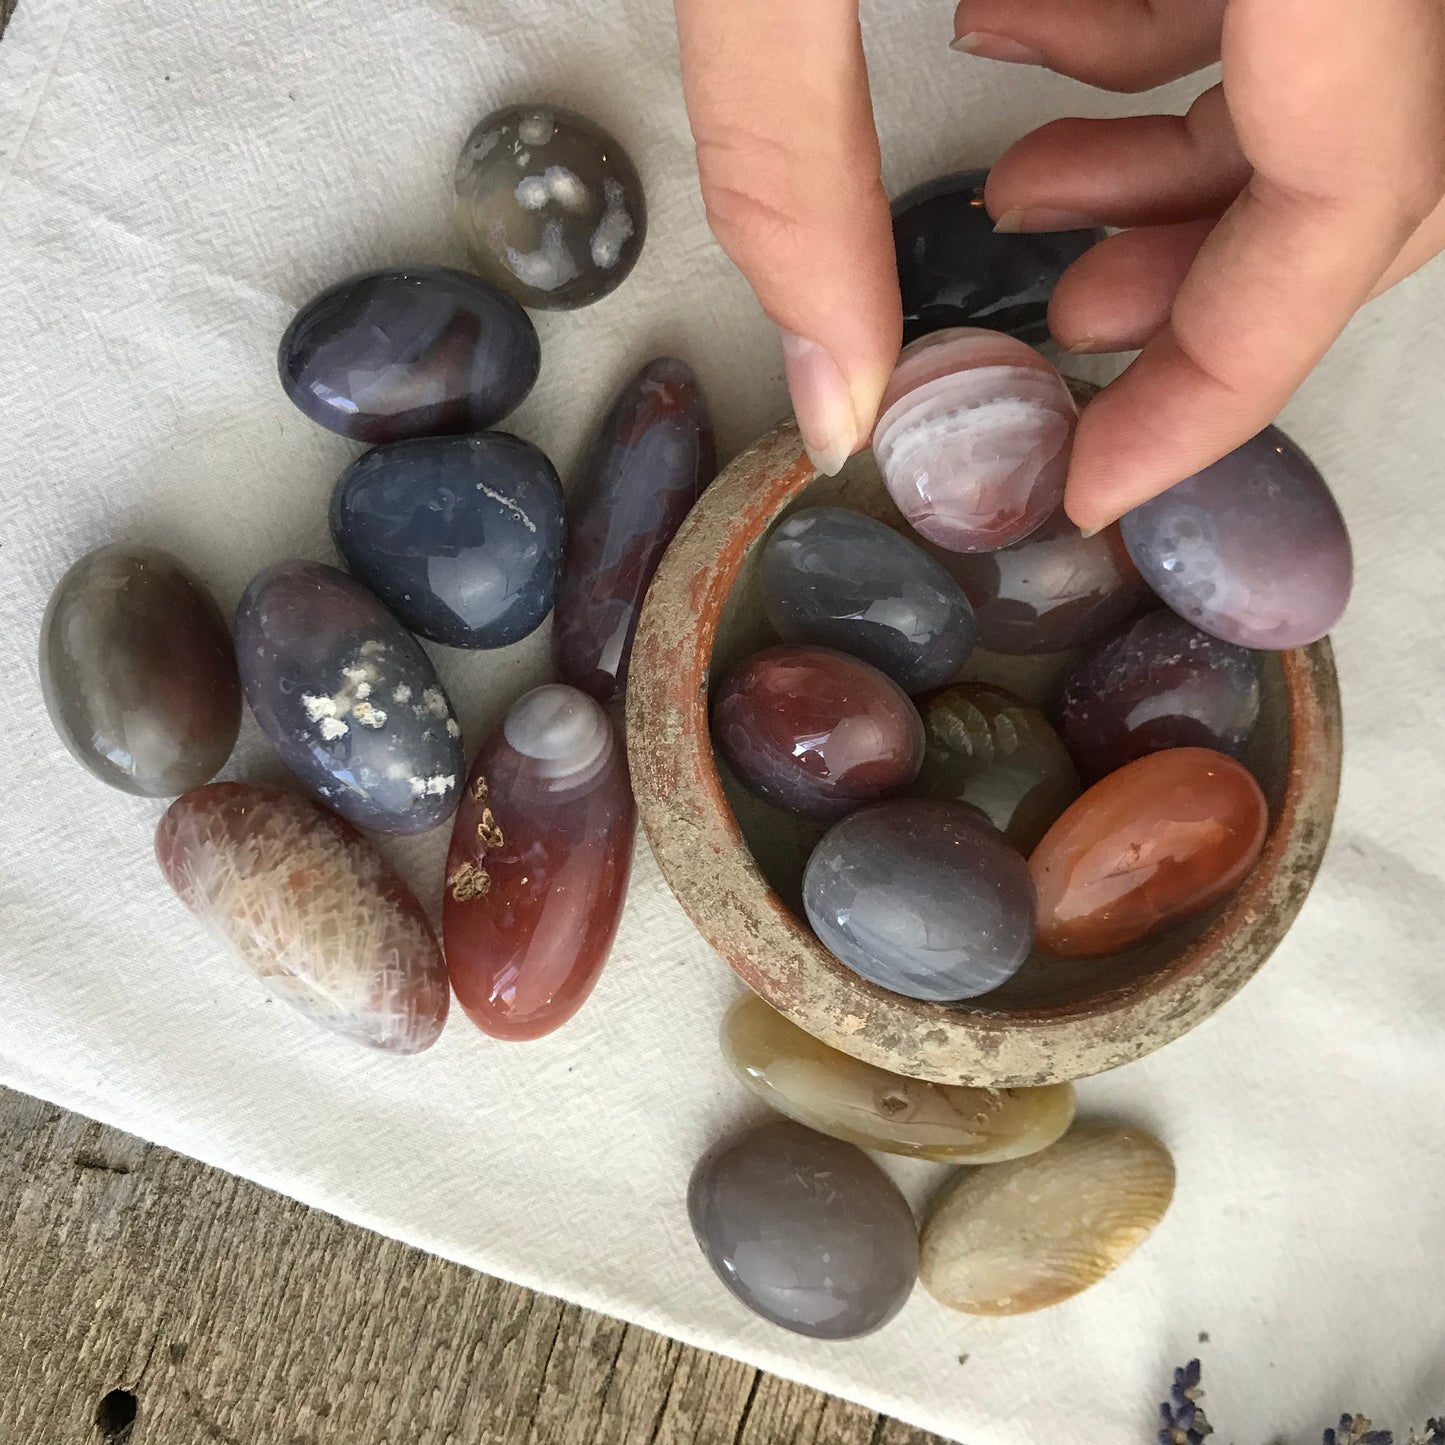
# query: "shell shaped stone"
[[311, 908], [829, 1091], [138, 672], [348, 698], [806, 1231], [843, 580], [1253, 549], [461, 537], [1025, 1235], [423, 351], [923, 898], [973, 438]]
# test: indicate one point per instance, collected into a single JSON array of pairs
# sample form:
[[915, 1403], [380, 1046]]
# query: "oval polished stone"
[[1159, 683], [923, 898], [806, 1231], [311, 908], [348, 698], [1149, 846], [799, 1076], [648, 463], [138, 672], [460, 536], [990, 750], [816, 732], [538, 866], [843, 580], [1029, 1234], [973, 438], [550, 206], [1252, 549], [418, 352], [1055, 590], [955, 269]]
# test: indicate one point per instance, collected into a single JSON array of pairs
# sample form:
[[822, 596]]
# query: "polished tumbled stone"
[[460, 536]]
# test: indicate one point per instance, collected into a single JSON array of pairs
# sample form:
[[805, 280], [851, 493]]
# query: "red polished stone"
[[538, 866], [1147, 847]]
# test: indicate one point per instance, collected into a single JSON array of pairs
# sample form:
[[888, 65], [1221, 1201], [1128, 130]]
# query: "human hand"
[[1310, 180]]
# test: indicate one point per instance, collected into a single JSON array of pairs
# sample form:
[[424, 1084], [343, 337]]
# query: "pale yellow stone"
[[1019, 1237], [836, 1094]]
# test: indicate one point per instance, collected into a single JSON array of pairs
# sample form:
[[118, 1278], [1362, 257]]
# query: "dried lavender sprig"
[[1356, 1430], [1181, 1418]]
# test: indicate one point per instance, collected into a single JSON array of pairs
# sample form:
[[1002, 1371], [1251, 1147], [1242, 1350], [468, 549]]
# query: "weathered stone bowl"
[[736, 864]]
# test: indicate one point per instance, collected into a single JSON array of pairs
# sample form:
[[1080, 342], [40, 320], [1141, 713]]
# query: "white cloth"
[[175, 179]]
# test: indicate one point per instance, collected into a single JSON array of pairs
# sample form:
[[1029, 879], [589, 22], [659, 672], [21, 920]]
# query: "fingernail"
[[1087, 532], [820, 398], [1044, 218], [1091, 346], [988, 46]]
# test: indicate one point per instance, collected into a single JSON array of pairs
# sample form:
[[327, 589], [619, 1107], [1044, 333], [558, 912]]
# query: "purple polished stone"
[[648, 464], [805, 1230], [1159, 683], [1252, 549], [815, 731]]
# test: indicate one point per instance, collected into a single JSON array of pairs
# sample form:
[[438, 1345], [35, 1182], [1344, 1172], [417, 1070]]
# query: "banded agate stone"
[[538, 866], [1252, 549], [806, 1231], [648, 463], [311, 908], [923, 898], [799, 1076], [348, 698], [1158, 683], [1155, 843], [138, 672], [842, 580], [973, 438], [423, 351], [815, 731]]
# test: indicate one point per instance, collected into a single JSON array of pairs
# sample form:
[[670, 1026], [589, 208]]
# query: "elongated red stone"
[[538, 866]]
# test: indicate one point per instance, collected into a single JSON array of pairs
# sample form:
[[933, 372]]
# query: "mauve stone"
[[1158, 683], [921, 897], [423, 351], [1252, 549], [806, 1231], [538, 866], [816, 732], [460, 536], [648, 463], [840, 579], [348, 698], [138, 672], [973, 439]]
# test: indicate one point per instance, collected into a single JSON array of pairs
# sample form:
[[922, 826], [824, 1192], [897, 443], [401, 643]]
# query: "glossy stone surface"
[[648, 463], [311, 908], [537, 871], [1252, 549], [843, 580], [797, 1075], [1149, 846], [550, 206], [1032, 1233], [138, 673], [423, 351], [816, 732], [348, 698], [1158, 683], [973, 438], [461, 537], [954, 269], [1055, 590], [990, 750], [921, 897], [806, 1231]]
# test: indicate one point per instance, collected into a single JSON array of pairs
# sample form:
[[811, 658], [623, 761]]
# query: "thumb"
[[788, 159]]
